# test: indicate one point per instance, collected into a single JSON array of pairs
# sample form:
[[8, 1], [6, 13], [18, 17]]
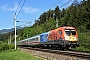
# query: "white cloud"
[[14, 8], [3, 7], [30, 10], [25, 9], [6, 8]]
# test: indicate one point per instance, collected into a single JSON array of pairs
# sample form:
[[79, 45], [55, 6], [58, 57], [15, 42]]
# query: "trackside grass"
[[17, 55]]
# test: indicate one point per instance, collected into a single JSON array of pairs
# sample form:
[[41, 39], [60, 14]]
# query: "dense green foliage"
[[5, 46], [17, 55], [75, 15]]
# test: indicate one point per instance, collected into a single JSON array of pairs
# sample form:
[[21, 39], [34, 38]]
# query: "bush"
[[5, 46], [82, 48], [11, 46], [84, 39]]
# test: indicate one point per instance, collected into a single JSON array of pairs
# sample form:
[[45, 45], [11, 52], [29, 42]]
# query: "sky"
[[31, 10]]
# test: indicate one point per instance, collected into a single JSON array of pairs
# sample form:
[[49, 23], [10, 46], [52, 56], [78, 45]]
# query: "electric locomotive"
[[64, 36]]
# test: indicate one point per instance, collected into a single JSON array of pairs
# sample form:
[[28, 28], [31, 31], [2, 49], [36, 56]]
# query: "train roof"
[[44, 33], [29, 38], [22, 40], [34, 36], [68, 27]]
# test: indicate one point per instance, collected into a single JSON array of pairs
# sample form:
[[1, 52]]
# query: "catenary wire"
[[21, 8], [18, 6], [65, 3], [58, 1]]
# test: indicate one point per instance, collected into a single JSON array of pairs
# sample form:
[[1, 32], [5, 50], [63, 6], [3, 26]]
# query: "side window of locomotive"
[[60, 32]]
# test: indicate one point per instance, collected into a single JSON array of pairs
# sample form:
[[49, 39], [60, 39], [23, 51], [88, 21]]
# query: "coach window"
[[60, 32]]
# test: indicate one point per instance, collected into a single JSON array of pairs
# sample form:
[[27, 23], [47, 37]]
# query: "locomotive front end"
[[71, 35]]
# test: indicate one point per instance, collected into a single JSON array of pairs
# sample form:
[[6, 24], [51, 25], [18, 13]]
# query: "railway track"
[[69, 53]]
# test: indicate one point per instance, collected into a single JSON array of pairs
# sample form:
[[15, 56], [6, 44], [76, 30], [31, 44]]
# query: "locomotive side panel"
[[56, 34], [51, 35], [44, 37], [60, 34]]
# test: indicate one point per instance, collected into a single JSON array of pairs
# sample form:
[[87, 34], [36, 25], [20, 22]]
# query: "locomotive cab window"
[[70, 32]]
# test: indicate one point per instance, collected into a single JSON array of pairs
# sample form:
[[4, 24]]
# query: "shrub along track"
[[75, 55]]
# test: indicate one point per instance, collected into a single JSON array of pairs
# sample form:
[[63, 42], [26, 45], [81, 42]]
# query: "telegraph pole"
[[27, 35], [10, 38], [56, 22], [15, 28]]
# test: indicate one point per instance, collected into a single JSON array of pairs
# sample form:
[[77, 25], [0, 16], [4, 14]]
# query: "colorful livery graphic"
[[61, 37]]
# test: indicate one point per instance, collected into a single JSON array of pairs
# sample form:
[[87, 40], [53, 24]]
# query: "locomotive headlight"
[[66, 37], [75, 38]]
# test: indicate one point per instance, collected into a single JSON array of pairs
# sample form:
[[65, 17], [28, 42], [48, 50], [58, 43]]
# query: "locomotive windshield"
[[70, 32]]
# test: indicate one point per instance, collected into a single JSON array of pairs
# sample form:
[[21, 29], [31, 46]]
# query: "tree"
[[43, 17], [57, 13], [63, 13], [50, 14]]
